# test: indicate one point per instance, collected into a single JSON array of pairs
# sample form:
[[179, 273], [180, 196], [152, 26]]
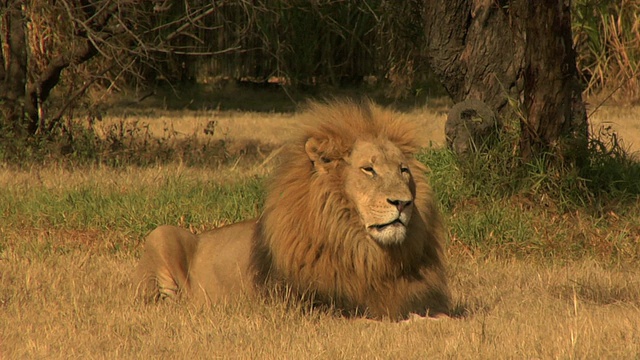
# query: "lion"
[[349, 222]]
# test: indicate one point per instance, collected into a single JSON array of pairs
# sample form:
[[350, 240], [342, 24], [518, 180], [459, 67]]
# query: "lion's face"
[[378, 180]]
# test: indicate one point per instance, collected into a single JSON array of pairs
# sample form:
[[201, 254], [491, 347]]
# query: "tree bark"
[[506, 52], [556, 120], [12, 89], [22, 99], [474, 47], [104, 28]]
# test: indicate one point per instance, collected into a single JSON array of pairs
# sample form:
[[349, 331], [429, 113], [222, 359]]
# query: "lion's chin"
[[389, 234]]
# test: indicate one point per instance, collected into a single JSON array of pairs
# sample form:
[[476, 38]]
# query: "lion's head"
[[350, 219], [378, 181]]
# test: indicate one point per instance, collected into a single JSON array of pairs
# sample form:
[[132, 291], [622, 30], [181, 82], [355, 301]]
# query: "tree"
[[13, 75], [498, 51], [41, 41], [32, 73], [503, 50], [556, 119]]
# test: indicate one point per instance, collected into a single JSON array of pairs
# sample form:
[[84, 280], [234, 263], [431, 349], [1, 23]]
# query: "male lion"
[[349, 221]]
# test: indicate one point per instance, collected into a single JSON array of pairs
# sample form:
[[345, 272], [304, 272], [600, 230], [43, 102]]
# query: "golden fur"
[[311, 237]]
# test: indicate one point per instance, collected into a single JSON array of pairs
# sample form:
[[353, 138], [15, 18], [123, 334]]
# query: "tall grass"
[[607, 37], [119, 144], [609, 172]]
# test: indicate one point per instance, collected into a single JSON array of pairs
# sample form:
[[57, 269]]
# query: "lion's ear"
[[317, 152]]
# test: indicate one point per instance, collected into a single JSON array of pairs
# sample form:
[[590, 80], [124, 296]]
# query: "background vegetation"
[[607, 38], [194, 47]]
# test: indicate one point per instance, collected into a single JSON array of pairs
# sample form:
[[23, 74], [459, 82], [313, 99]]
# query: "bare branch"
[[55, 120], [183, 27], [209, 53]]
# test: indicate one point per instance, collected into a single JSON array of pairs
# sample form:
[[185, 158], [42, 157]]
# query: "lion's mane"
[[311, 239]]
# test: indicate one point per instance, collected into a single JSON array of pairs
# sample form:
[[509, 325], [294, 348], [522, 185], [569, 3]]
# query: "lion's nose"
[[400, 204]]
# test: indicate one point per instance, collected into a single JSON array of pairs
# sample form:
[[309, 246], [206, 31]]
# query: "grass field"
[[532, 276]]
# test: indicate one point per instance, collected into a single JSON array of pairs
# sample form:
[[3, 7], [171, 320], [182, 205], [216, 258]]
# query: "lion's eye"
[[404, 169], [368, 170]]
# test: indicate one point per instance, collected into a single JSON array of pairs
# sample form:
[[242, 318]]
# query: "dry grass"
[[241, 128], [79, 304], [624, 120], [607, 39], [57, 178]]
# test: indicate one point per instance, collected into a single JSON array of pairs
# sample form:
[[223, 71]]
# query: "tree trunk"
[[12, 88], [556, 121], [474, 47], [516, 51], [21, 98]]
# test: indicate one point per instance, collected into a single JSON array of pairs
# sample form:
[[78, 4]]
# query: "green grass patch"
[[136, 210], [608, 174], [496, 204]]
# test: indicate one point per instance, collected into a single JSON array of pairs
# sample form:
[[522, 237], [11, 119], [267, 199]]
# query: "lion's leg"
[[163, 269]]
